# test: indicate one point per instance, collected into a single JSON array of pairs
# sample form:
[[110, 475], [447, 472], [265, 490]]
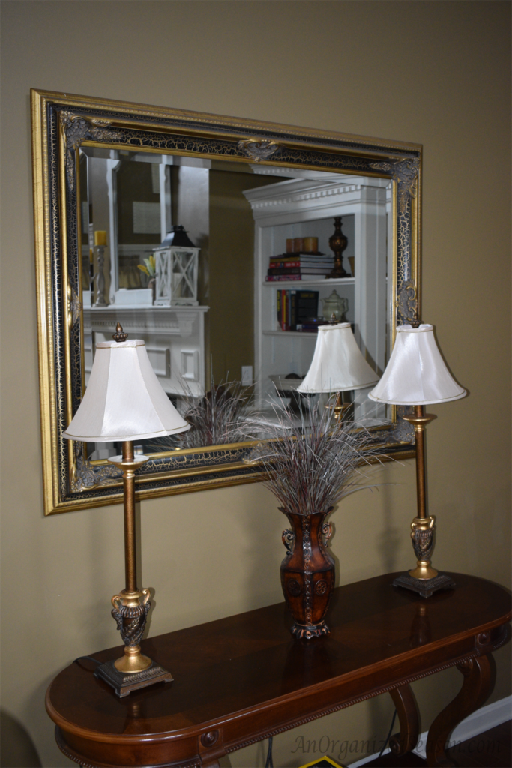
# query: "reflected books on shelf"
[[292, 267], [296, 308], [301, 276]]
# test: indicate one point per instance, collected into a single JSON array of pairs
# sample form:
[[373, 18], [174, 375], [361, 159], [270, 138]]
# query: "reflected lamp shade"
[[338, 364], [124, 399], [416, 373]]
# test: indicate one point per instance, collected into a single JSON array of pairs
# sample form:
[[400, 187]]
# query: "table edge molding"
[[194, 762], [354, 700], [198, 729]]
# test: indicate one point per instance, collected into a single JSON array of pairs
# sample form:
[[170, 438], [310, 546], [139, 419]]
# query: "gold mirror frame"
[[60, 124]]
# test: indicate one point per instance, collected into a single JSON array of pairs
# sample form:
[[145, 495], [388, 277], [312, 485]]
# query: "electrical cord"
[[90, 658], [389, 735], [269, 763]]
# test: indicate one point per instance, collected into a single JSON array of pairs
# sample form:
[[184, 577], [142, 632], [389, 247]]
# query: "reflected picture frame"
[[61, 123]]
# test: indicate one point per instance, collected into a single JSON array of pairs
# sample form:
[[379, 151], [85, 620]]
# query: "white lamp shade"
[[124, 399], [416, 373], [338, 364]]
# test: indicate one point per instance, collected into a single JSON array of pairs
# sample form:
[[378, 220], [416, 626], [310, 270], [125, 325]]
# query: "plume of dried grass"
[[218, 417], [314, 461]]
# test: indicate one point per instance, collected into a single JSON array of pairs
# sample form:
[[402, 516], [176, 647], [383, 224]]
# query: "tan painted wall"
[[231, 265], [436, 73]]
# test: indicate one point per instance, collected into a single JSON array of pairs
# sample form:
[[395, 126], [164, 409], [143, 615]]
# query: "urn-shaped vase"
[[307, 572]]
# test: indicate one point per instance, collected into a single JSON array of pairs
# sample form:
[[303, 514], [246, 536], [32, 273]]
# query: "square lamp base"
[[124, 684], [424, 587]]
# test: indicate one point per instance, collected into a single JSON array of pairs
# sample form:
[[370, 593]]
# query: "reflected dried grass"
[[219, 417]]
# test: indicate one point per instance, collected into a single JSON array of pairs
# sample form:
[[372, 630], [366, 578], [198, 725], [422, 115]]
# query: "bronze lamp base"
[[126, 682], [424, 579], [424, 587]]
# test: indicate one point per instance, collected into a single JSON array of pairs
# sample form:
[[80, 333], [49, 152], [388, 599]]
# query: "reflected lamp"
[[123, 402], [416, 375], [337, 366]]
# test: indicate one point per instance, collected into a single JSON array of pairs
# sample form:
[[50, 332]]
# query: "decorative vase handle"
[[288, 538]]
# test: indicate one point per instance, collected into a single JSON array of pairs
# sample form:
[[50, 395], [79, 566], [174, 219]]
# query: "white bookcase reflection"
[[302, 208]]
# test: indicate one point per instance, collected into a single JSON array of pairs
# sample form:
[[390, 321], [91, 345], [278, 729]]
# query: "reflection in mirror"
[[184, 228], [226, 272]]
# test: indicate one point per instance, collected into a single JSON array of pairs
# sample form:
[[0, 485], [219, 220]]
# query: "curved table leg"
[[405, 703], [476, 687]]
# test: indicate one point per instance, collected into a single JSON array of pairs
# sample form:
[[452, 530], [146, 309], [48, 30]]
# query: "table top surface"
[[230, 666]]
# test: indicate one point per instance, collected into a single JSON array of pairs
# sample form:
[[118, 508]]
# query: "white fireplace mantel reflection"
[[174, 337]]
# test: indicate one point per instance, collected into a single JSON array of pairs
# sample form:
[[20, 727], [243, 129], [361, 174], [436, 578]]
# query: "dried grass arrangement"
[[312, 463]]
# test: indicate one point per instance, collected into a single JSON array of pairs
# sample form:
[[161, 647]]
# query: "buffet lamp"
[[337, 366], [123, 402], [416, 375]]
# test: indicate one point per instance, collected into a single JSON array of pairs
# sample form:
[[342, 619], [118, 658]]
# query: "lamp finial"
[[119, 335]]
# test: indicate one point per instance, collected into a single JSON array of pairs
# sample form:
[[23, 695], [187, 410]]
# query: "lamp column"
[[129, 516], [422, 526], [131, 607], [424, 579]]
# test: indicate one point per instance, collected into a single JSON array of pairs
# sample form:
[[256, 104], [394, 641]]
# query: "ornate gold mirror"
[[167, 221]]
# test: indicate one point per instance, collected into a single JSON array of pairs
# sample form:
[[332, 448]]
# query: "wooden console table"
[[241, 679]]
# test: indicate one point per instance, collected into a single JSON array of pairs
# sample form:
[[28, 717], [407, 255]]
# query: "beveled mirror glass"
[[112, 180]]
